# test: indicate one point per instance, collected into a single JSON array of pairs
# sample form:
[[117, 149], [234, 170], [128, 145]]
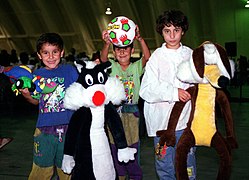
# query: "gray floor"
[[16, 157]]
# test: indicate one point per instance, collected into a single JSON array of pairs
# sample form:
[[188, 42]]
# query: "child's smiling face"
[[50, 55]]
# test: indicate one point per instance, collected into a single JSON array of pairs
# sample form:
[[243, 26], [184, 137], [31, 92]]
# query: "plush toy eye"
[[89, 79], [19, 84], [101, 77]]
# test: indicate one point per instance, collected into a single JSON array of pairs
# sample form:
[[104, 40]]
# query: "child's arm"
[[105, 49], [107, 43], [1, 69], [144, 47], [26, 94]]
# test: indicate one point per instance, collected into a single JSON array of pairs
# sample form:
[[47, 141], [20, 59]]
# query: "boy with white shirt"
[[161, 89]]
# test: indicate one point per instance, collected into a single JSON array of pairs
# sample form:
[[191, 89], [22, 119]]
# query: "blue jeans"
[[165, 165]]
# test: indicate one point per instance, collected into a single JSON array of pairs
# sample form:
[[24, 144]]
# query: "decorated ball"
[[122, 31]]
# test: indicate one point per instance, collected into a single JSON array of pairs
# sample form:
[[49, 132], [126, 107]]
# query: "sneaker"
[[5, 141]]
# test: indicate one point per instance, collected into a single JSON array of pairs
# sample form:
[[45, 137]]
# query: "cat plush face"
[[94, 87], [91, 74]]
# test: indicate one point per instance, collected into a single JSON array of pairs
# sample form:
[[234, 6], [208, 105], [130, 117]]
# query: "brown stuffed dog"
[[209, 70]]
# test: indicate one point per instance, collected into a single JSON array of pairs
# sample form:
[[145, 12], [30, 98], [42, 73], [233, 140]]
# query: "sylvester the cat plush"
[[87, 153], [209, 70]]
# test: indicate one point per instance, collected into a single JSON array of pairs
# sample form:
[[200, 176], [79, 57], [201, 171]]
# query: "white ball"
[[122, 31]]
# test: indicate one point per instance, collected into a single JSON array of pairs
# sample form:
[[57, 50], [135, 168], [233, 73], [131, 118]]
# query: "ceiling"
[[80, 22]]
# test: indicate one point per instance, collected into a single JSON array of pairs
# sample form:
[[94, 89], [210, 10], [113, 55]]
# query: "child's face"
[[123, 54], [97, 61], [172, 36], [50, 55]]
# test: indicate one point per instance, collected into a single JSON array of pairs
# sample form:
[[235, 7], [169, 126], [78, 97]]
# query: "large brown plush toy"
[[209, 70]]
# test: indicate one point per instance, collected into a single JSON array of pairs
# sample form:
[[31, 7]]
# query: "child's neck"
[[125, 65], [173, 47]]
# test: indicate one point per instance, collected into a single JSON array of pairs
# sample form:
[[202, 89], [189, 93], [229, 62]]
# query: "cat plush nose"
[[98, 98]]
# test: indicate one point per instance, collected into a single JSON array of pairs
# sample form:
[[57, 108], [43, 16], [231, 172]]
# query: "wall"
[[219, 21]]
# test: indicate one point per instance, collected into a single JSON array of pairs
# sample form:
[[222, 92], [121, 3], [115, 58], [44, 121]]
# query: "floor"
[[16, 157]]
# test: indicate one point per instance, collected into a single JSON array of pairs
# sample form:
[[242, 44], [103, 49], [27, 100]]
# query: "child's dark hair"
[[130, 45], [172, 17], [51, 38]]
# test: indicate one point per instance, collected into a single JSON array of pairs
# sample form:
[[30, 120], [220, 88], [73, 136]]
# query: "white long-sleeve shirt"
[[159, 88]]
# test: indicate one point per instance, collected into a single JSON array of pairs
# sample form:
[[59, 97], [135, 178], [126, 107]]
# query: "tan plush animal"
[[209, 70]]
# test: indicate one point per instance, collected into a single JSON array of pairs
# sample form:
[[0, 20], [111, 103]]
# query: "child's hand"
[[138, 36], [106, 37], [25, 92], [183, 95]]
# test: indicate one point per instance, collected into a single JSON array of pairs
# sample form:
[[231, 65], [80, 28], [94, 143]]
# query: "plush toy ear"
[[198, 60], [224, 58], [79, 66], [195, 66], [106, 65]]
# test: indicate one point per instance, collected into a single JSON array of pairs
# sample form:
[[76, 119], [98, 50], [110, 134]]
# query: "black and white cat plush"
[[87, 153]]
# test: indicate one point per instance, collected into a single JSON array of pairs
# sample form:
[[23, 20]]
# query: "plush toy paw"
[[232, 142], [166, 137], [68, 164], [126, 154]]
